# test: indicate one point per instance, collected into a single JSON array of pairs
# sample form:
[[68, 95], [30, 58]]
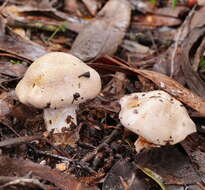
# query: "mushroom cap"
[[156, 116], [57, 80]]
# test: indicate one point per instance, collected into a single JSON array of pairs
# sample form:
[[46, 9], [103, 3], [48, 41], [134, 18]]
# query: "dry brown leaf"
[[132, 176], [8, 66], [189, 47], [167, 11], [92, 5], [20, 167], [157, 20], [175, 89], [198, 18], [6, 103], [19, 140], [169, 62], [43, 18], [103, 35], [66, 138], [16, 45], [201, 2], [194, 146], [171, 164], [163, 82]]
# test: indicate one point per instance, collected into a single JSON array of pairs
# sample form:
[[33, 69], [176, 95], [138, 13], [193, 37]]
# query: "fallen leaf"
[[92, 5], [135, 47], [167, 11], [194, 146], [153, 20], [169, 62], [171, 165], [103, 36], [19, 140], [157, 178], [197, 18], [131, 175], [9, 166], [162, 81], [66, 138], [40, 17], [175, 89], [6, 103], [201, 2], [11, 67], [189, 47], [16, 45]]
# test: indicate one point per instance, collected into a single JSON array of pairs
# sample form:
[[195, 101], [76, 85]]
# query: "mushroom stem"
[[57, 119], [142, 143]]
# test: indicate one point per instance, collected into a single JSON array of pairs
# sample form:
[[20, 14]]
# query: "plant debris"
[[136, 47]]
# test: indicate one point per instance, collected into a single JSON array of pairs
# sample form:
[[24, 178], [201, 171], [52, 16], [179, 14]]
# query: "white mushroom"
[[57, 82], [157, 118]]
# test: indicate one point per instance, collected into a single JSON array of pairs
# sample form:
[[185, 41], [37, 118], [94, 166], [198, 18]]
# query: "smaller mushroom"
[[57, 82], [158, 119]]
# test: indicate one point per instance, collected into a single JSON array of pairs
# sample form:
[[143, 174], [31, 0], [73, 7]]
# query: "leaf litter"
[[98, 153]]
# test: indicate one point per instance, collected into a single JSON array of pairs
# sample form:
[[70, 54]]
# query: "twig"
[[105, 143], [67, 160], [23, 181], [8, 125], [18, 140]]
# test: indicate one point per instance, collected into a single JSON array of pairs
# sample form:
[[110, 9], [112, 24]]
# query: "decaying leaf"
[[12, 67], [16, 45], [189, 47], [157, 20], [163, 82], [116, 86], [6, 104], [197, 19], [45, 18], [103, 35], [124, 171], [157, 178], [167, 11], [169, 62], [10, 166], [19, 140], [175, 89], [194, 146], [66, 138], [171, 164], [92, 5]]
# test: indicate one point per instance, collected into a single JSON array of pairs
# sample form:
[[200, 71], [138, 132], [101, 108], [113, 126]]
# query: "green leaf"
[[12, 61], [157, 178], [154, 2], [202, 70], [174, 3], [202, 63], [61, 28]]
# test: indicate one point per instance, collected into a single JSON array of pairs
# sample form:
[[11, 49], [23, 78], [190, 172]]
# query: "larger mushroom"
[[157, 118], [57, 82]]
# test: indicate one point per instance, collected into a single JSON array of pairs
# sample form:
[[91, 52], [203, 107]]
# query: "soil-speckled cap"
[[57, 80], [156, 116]]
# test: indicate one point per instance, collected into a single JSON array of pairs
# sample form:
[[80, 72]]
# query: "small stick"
[[105, 143], [19, 140], [67, 160]]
